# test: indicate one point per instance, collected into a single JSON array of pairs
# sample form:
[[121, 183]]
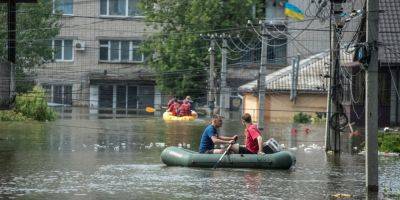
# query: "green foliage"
[[10, 115], [301, 118], [389, 142], [181, 55], [36, 26], [34, 105], [318, 118]]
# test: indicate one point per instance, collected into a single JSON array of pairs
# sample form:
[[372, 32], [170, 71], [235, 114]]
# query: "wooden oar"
[[216, 164]]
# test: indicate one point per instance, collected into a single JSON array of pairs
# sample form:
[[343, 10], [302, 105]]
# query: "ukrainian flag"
[[293, 11]]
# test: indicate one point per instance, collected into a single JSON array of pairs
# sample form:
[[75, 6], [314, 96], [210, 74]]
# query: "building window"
[[119, 8], [58, 94], [66, 7], [62, 50], [276, 51], [120, 51], [274, 9]]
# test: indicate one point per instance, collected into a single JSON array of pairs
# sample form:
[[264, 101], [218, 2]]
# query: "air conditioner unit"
[[79, 45]]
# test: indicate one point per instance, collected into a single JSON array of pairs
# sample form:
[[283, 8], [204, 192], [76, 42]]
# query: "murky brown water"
[[102, 156]]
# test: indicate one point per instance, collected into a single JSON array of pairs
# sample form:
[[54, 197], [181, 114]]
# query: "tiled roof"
[[389, 31], [310, 79]]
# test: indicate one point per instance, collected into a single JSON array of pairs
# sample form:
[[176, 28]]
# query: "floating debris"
[[387, 154], [293, 148], [149, 146], [160, 144], [116, 148], [312, 147], [342, 196]]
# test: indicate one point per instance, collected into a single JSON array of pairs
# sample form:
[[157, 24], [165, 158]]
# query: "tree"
[[179, 55], [36, 26]]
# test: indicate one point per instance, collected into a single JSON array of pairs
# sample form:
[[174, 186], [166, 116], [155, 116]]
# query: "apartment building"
[[96, 61]]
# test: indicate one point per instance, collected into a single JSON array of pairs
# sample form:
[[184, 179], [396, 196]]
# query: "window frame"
[[131, 49], [64, 14], [63, 50], [126, 15], [51, 93], [277, 46]]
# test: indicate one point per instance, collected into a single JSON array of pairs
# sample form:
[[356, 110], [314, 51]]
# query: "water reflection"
[[84, 156]]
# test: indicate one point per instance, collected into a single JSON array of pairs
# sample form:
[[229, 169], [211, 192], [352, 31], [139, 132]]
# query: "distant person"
[[189, 100], [171, 101], [174, 108], [184, 109], [253, 139], [210, 137]]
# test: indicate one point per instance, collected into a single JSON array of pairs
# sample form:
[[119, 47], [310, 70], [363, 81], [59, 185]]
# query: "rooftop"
[[310, 79]]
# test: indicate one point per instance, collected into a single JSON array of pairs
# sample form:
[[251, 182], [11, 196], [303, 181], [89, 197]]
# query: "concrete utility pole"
[[295, 78], [335, 87], [224, 92], [263, 73], [211, 92], [371, 97]]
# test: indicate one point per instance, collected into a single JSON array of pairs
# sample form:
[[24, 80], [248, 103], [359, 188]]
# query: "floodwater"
[[103, 156]]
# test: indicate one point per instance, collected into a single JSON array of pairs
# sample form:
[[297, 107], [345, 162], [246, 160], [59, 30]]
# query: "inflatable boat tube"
[[167, 116], [175, 156]]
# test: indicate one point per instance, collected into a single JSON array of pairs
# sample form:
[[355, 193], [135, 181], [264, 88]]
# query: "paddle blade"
[[150, 109]]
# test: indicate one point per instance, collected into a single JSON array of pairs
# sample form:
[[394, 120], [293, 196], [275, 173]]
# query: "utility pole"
[[224, 93], [371, 100], [211, 93], [334, 95], [295, 78], [263, 73], [329, 95]]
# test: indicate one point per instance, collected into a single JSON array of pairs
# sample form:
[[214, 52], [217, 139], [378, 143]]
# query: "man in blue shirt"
[[210, 137]]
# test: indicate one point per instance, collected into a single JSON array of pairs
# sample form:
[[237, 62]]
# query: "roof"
[[310, 79], [389, 31]]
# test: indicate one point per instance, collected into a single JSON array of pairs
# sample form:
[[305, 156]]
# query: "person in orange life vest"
[[171, 101], [253, 139], [184, 109], [174, 108], [188, 100]]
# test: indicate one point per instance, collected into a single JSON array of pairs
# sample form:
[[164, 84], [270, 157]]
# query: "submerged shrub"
[[319, 118], [10, 115], [301, 118], [389, 142], [33, 105]]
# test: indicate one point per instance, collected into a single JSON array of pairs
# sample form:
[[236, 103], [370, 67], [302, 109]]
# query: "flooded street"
[[82, 156]]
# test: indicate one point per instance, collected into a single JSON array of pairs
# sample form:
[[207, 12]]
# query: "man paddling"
[[211, 137]]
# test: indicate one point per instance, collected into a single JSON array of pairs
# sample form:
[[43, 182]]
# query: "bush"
[[10, 115], [34, 105], [319, 118], [302, 118], [389, 142]]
